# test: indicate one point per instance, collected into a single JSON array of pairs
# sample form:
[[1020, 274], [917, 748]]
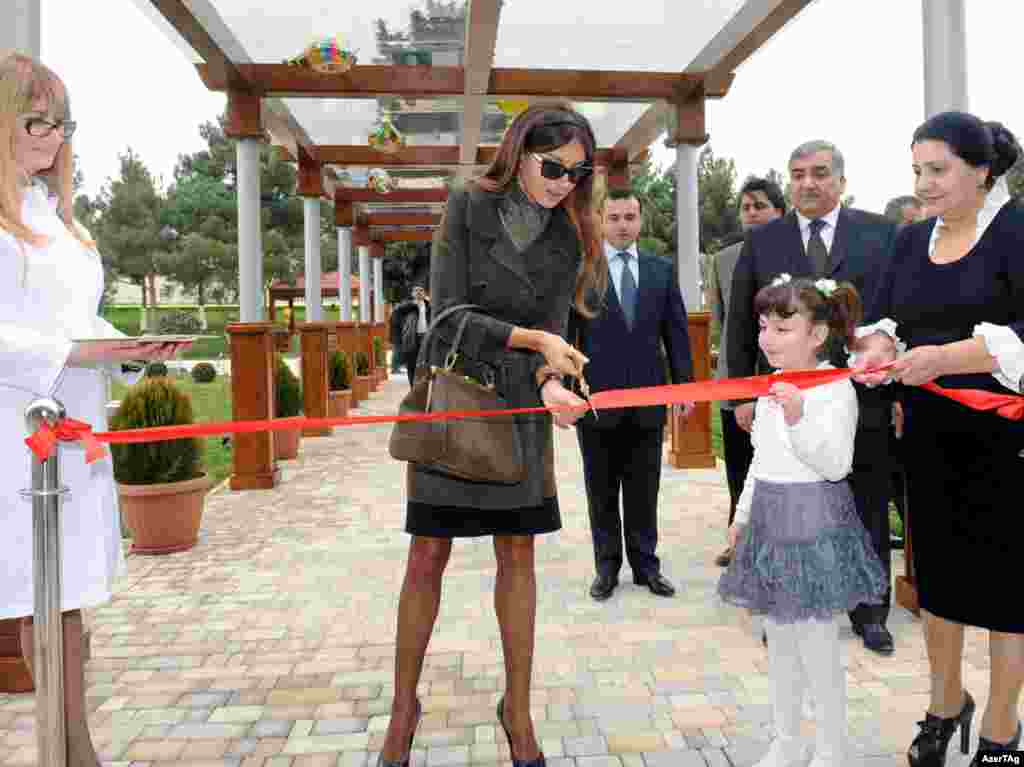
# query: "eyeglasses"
[[40, 128], [554, 170]]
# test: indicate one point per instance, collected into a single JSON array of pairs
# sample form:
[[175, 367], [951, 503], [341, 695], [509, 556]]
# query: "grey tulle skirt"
[[804, 554]]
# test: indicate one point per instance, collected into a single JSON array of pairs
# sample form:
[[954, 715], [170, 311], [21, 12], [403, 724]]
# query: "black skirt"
[[432, 521], [964, 483]]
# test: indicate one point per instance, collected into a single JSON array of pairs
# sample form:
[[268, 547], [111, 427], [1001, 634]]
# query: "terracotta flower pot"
[[361, 387], [338, 402], [164, 518], [286, 444]]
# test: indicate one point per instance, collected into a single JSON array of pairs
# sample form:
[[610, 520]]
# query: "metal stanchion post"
[[48, 650]]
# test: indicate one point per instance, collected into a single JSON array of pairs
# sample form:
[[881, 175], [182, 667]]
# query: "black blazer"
[[621, 358], [861, 250]]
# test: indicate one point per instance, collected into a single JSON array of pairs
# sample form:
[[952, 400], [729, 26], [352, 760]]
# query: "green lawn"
[[716, 431], [210, 402]]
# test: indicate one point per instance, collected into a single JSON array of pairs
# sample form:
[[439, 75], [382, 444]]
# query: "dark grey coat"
[[475, 261]]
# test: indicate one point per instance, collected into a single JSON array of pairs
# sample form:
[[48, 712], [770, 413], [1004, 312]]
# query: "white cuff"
[[886, 327], [1005, 345]]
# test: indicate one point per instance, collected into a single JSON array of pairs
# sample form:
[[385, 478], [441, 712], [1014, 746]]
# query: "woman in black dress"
[[520, 242], [954, 295]]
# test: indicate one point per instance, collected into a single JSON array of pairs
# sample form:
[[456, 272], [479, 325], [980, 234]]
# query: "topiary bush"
[[156, 370], [339, 376], [155, 402], [288, 397], [179, 323], [204, 372], [378, 351], [362, 364]]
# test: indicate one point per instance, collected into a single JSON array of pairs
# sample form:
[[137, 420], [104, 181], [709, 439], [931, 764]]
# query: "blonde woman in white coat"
[[51, 281]]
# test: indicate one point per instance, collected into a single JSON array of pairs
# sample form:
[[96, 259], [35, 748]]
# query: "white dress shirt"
[[818, 447], [421, 326], [615, 266], [1000, 341], [828, 232]]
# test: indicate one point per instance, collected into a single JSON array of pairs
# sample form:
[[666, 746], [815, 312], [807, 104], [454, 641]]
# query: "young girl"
[[802, 555]]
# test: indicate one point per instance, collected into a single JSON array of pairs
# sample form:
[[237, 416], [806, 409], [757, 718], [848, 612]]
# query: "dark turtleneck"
[[523, 219]]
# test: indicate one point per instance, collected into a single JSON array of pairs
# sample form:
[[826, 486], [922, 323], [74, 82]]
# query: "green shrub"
[[288, 396], [378, 351], [339, 377], [362, 364], [203, 372], [179, 323], [156, 370], [155, 402]]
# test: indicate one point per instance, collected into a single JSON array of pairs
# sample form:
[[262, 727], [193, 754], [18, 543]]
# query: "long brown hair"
[[542, 128], [23, 80]]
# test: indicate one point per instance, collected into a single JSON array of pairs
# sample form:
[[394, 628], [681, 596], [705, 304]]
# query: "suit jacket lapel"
[[840, 241], [646, 284]]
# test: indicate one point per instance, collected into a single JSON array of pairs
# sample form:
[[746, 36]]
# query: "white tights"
[[801, 654]]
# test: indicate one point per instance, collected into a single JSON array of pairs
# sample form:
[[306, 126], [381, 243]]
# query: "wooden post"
[[347, 343], [252, 399], [691, 441], [314, 345]]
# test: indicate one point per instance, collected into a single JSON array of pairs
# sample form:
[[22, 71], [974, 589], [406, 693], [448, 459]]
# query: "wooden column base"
[[252, 399], [314, 339], [14, 674], [691, 440]]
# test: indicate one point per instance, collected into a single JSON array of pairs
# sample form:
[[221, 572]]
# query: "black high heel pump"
[[929, 747], [538, 762]]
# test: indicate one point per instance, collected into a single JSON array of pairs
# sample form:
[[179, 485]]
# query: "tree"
[[716, 183], [1015, 180], [198, 261], [129, 223]]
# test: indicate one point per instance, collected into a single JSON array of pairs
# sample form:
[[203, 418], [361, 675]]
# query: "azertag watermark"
[[1016, 758]]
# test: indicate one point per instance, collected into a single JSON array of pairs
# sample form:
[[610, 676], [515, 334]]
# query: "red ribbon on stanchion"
[[45, 437], [42, 441]]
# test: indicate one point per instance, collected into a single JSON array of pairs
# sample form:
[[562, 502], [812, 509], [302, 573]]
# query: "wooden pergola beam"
[[434, 156], [421, 196], [408, 235], [745, 33], [400, 219], [368, 81], [481, 39]]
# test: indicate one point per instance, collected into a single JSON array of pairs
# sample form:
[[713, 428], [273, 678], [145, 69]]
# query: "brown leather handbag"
[[476, 449]]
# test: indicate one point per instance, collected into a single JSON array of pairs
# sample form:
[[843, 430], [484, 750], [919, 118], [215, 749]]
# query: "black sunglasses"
[[554, 170]]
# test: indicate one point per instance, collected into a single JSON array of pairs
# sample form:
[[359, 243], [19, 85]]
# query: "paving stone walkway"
[[271, 642]]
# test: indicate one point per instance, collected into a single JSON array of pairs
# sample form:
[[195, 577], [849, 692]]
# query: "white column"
[[20, 30], [311, 218], [345, 272], [688, 225], [378, 289], [250, 238], [945, 56], [365, 312]]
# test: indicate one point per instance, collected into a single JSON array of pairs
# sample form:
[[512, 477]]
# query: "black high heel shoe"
[[984, 744], [538, 762], [929, 747], [404, 762]]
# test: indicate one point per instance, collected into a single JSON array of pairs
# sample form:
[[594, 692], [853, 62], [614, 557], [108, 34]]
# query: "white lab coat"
[[49, 295]]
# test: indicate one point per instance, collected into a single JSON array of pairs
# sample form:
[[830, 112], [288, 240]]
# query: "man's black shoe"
[[876, 637], [603, 586], [657, 583]]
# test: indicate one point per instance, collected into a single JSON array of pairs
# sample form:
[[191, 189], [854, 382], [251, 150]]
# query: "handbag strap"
[[428, 338]]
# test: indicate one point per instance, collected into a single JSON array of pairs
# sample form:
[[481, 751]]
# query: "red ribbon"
[[42, 441], [45, 437]]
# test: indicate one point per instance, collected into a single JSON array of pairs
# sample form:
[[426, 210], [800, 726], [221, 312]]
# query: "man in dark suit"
[[623, 449], [409, 322], [820, 238]]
